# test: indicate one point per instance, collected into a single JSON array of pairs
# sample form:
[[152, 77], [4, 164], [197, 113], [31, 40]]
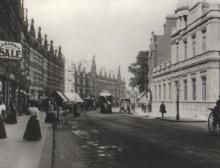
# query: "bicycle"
[[214, 122], [63, 121], [60, 121]]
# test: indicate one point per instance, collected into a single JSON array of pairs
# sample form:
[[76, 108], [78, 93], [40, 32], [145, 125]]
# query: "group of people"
[[106, 105], [32, 131]]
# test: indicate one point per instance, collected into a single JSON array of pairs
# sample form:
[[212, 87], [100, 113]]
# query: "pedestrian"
[[109, 106], [162, 109], [48, 111], [133, 107], [33, 131], [12, 116], [2, 127], [142, 107]]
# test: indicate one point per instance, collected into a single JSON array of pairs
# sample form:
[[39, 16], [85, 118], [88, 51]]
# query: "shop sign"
[[10, 50]]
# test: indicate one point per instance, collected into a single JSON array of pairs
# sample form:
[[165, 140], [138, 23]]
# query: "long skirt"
[[11, 118], [33, 131], [2, 129]]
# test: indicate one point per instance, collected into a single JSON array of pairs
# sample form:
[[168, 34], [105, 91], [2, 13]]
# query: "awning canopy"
[[59, 97], [74, 97]]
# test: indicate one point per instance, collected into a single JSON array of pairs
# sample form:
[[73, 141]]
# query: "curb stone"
[[184, 120], [46, 154]]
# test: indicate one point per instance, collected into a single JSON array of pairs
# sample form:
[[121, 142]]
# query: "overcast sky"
[[114, 30]]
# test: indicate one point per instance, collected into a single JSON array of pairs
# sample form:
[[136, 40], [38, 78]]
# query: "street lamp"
[[177, 100]]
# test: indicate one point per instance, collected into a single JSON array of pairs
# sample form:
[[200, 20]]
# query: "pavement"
[[152, 115], [15, 152]]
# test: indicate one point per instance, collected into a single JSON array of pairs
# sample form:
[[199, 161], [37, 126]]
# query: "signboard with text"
[[10, 50]]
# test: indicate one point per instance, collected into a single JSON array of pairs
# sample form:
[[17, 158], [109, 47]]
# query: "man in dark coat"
[[162, 109]]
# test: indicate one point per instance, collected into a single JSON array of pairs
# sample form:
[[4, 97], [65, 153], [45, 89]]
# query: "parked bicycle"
[[60, 121], [214, 122]]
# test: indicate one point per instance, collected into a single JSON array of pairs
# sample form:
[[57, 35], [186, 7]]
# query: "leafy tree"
[[140, 69]]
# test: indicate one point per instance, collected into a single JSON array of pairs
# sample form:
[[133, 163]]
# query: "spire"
[[93, 68], [60, 52], [55, 53], [51, 47], [79, 67], [39, 37], [32, 29], [119, 73], [26, 19], [22, 10], [45, 42]]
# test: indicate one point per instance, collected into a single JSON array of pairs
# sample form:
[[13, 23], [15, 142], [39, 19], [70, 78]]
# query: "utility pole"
[[177, 101]]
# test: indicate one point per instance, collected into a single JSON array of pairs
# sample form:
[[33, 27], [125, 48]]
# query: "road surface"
[[117, 141]]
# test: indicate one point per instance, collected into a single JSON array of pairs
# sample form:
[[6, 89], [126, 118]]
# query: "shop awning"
[[62, 96], [59, 97], [74, 97]]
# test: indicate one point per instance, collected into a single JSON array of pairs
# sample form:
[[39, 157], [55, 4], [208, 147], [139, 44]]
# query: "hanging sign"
[[10, 50]]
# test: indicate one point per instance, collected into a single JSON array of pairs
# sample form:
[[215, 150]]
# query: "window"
[[204, 41], [177, 52], [185, 49], [204, 88], [170, 91], [185, 89], [164, 91], [159, 92], [193, 89], [194, 45]]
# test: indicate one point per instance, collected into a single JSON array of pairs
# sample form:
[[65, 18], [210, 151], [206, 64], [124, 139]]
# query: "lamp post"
[[177, 101]]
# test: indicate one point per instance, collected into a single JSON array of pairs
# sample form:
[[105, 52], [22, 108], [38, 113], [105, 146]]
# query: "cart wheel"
[[213, 124]]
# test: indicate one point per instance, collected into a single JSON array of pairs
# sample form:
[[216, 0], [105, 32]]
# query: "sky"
[[112, 30]]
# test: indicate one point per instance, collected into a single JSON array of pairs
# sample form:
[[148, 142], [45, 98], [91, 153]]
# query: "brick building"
[[83, 79], [40, 71]]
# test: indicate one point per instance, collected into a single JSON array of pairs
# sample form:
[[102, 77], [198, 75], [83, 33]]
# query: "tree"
[[140, 70]]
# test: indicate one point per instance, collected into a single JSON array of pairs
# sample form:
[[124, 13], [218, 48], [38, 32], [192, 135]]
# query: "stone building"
[[190, 74], [88, 83]]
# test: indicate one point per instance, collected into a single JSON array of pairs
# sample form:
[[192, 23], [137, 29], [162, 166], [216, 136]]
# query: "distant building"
[[192, 70], [87, 83]]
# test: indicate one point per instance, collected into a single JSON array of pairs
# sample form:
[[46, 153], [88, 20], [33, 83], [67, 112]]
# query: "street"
[[118, 141]]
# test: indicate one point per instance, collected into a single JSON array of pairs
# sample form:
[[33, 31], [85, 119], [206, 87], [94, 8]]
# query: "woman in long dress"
[[2, 127], [33, 131], [12, 117]]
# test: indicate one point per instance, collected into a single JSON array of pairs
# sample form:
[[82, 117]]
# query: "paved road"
[[117, 141]]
